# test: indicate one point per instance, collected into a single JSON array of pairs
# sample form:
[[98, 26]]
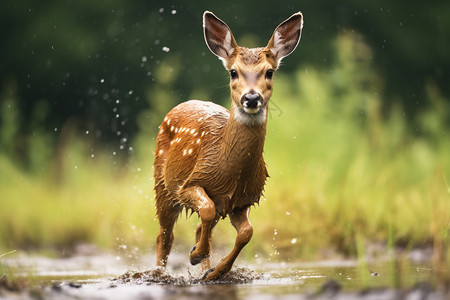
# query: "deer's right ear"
[[286, 37], [218, 36]]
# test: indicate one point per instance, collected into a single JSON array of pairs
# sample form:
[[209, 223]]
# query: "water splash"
[[160, 276]]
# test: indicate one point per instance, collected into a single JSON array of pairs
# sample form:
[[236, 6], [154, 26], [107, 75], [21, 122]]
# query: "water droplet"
[[173, 11], [294, 240], [161, 10], [102, 80], [288, 213], [87, 131], [165, 49], [144, 58]]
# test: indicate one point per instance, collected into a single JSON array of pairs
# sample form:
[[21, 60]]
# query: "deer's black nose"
[[251, 100]]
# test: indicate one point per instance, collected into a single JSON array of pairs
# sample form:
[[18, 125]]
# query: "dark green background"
[[70, 61]]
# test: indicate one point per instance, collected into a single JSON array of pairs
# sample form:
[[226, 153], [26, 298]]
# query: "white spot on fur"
[[161, 152], [184, 152], [192, 131], [168, 122], [190, 151], [171, 128], [198, 141]]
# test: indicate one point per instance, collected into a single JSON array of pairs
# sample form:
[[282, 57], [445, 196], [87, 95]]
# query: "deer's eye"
[[269, 74], [233, 74]]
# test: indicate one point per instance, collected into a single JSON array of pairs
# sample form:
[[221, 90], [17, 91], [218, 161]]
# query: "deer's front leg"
[[239, 219], [206, 263], [199, 200]]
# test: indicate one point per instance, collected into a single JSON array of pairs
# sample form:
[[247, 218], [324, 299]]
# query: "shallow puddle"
[[108, 277]]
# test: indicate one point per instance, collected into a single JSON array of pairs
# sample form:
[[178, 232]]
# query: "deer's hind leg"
[[167, 215]]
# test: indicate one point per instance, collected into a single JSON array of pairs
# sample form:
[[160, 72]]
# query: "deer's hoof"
[[196, 257], [207, 273]]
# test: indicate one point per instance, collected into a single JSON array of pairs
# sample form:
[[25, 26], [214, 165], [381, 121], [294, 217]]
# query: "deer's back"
[[188, 131], [188, 152]]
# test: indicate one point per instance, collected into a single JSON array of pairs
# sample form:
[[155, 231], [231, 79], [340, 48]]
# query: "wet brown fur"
[[208, 162]]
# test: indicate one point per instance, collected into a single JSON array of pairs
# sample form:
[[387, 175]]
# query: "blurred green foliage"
[[357, 143], [105, 65]]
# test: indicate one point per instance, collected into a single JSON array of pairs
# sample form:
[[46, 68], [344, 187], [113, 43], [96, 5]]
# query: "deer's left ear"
[[286, 37]]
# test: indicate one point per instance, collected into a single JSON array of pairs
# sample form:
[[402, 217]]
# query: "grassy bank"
[[342, 171]]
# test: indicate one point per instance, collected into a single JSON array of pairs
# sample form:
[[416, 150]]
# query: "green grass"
[[340, 170], [342, 174]]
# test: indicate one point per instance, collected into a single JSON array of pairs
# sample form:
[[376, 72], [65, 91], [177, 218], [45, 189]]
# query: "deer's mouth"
[[252, 111]]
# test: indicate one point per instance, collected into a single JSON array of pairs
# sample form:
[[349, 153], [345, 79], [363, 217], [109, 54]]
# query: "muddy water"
[[109, 277]]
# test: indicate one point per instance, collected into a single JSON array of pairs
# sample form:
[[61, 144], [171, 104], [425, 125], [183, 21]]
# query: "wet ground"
[[110, 277]]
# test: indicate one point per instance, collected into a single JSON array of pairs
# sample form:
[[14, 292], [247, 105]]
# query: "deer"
[[209, 160]]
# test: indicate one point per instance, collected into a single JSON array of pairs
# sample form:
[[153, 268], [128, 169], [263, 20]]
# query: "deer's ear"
[[286, 37], [218, 36]]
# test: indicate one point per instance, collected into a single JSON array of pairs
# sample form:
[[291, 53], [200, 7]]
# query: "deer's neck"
[[243, 139]]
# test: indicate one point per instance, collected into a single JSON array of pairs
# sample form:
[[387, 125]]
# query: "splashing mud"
[[160, 276], [98, 277]]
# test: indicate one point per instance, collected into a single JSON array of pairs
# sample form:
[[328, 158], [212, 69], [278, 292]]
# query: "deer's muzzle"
[[251, 102]]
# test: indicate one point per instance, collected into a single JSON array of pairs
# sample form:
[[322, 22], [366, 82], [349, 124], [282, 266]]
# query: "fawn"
[[209, 160]]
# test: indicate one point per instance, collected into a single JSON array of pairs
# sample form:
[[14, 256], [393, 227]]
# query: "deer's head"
[[251, 70]]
